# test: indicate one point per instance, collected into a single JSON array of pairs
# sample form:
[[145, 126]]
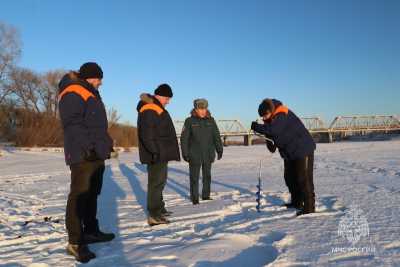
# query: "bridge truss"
[[365, 123], [343, 125]]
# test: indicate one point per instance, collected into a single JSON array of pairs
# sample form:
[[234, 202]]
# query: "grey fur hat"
[[200, 103]]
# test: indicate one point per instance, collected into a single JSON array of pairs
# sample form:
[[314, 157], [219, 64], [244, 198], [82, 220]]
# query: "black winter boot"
[[166, 213], [97, 237], [293, 205], [304, 212], [157, 220], [309, 206], [80, 252], [92, 233]]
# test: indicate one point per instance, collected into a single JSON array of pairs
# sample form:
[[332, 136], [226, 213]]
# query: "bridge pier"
[[247, 140], [325, 137]]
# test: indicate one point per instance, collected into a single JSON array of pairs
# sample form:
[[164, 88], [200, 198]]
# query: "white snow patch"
[[171, 257], [226, 231]]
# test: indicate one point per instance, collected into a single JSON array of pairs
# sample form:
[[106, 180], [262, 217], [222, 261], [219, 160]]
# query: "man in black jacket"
[[86, 146], [158, 145], [296, 147]]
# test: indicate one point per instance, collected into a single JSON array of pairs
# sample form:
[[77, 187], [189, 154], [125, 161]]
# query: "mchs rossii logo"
[[354, 228]]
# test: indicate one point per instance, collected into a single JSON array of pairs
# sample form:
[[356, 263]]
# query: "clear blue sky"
[[319, 57]]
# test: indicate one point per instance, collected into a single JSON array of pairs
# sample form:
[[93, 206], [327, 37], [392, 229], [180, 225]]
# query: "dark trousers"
[[299, 179], [86, 183], [157, 179], [194, 169]]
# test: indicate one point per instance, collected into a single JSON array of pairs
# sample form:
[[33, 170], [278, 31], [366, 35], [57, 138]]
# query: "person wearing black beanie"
[[92, 73], [87, 144], [163, 94], [158, 145], [164, 90], [90, 70]]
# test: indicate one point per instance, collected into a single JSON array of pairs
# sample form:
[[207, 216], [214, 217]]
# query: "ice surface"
[[226, 231]]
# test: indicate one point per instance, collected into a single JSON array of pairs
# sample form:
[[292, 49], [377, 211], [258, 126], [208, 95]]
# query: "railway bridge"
[[339, 128]]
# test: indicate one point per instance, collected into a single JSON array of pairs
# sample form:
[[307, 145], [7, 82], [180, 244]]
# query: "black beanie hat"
[[265, 106], [90, 70], [164, 90]]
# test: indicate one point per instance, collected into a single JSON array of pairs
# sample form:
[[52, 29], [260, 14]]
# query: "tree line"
[[29, 101]]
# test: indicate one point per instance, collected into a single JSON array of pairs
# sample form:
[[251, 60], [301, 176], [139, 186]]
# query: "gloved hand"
[[271, 146], [109, 155], [254, 125], [219, 156], [90, 155], [186, 158], [155, 158]]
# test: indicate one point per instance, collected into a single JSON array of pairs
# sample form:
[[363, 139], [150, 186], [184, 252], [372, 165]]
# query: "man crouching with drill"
[[296, 147]]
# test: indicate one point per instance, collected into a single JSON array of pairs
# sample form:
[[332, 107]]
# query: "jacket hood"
[[276, 103], [276, 107], [273, 104], [193, 113], [146, 98], [72, 78]]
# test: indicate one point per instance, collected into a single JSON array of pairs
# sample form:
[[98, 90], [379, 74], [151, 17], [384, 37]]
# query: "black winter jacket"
[[84, 120], [288, 133], [157, 136]]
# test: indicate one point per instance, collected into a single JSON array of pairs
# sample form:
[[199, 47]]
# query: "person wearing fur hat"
[[158, 145], [296, 147], [200, 141]]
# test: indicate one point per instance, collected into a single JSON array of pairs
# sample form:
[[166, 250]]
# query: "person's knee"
[[95, 189], [77, 191], [79, 200]]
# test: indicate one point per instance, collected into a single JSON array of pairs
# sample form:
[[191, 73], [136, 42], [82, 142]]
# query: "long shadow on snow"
[[109, 221], [275, 201], [242, 191], [230, 186], [329, 202], [141, 196], [175, 186], [230, 223], [178, 171]]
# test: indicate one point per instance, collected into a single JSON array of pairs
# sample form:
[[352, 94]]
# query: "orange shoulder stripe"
[[153, 107], [77, 89], [281, 109]]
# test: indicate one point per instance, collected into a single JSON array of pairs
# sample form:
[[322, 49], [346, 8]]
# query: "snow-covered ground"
[[226, 231]]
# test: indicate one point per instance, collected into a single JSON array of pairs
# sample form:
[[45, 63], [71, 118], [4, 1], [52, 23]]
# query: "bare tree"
[[113, 117], [10, 50], [25, 85], [49, 88]]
